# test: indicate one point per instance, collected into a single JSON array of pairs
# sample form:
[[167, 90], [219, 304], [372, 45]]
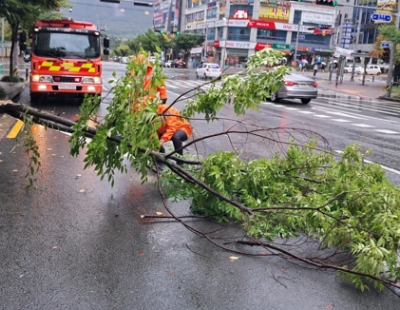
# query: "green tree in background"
[[24, 13]]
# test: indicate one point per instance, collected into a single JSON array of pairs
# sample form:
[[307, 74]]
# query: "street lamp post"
[[296, 47]]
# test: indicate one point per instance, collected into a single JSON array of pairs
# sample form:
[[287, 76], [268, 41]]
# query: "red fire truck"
[[66, 59]]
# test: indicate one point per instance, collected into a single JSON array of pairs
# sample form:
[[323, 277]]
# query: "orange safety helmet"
[[141, 58]]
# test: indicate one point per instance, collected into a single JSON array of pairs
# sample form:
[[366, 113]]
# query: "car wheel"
[[205, 76], [197, 75], [345, 71], [274, 97], [378, 73], [305, 101]]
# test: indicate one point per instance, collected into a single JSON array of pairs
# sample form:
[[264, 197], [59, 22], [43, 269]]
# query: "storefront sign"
[[284, 4], [321, 50], [234, 44], [277, 26], [196, 50], [261, 46], [281, 46], [211, 4], [195, 18], [237, 23], [316, 18], [240, 14], [275, 13]]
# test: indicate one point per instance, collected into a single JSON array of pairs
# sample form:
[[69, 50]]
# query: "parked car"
[[180, 63], [349, 68], [124, 60], [153, 59], [168, 64], [296, 86], [208, 70], [371, 69], [27, 57]]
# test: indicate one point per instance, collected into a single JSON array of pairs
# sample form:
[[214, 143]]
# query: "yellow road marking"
[[15, 130]]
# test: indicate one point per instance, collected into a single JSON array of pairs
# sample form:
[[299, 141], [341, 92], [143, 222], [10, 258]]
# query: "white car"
[[153, 59], [371, 69], [168, 64], [208, 70], [349, 69]]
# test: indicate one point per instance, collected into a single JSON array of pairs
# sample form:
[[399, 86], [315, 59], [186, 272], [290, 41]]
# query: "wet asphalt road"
[[73, 242]]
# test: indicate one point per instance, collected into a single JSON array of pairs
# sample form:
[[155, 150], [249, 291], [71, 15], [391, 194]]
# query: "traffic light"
[[386, 55], [159, 30], [178, 33]]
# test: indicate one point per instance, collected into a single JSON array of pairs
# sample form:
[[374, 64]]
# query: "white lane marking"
[[340, 120], [340, 103], [321, 116], [363, 125], [306, 112], [371, 162], [390, 132], [342, 114], [293, 109]]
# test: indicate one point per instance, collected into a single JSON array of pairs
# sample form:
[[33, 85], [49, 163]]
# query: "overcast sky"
[[124, 19]]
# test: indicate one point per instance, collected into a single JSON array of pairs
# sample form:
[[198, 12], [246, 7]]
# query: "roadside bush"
[[12, 79], [2, 93]]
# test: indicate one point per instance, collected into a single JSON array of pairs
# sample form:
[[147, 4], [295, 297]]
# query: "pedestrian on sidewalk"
[[315, 68], [323, 66]]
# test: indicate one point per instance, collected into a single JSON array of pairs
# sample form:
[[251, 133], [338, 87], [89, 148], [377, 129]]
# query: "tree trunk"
[[14, 39]]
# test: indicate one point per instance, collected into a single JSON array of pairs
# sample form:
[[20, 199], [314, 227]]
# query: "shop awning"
[[196, 50]]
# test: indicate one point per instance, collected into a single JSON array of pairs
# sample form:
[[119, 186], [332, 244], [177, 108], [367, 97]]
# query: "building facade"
[[236, 29]]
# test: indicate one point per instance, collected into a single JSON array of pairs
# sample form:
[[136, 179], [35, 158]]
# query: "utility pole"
[[300, 25], [391, 62], [2, 38]]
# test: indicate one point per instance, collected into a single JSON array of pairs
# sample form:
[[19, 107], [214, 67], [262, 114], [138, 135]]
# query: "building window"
[[271, 35], [247, 9], [239, 34], [211, 34], [220, 33], [297, 17]]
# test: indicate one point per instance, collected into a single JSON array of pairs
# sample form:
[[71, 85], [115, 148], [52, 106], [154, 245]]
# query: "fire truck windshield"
[[67, 44]]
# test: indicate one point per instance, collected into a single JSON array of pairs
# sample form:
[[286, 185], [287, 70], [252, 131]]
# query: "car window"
[[214, 66]]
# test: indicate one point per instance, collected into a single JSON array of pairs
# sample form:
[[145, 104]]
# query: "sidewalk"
[[12, 90]]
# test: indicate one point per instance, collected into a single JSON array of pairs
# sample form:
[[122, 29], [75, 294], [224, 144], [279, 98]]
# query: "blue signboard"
[[385, 44], [302, 37], [381, 18]]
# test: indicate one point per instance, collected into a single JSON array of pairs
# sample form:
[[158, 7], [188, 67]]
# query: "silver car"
[[296, 86]]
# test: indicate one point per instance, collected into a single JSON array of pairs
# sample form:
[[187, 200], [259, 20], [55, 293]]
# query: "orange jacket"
[[147, 83], [171, 123]]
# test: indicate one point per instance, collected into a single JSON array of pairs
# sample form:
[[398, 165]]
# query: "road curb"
[[6, 121]]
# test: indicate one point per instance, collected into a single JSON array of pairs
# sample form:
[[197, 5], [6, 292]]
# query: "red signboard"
[[261, 46]]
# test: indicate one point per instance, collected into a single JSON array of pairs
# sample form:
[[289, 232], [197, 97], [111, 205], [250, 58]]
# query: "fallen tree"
[[346, 211]]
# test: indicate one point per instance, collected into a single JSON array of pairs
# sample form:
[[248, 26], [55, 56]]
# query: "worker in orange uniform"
[[161, 90], [173, 127]]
